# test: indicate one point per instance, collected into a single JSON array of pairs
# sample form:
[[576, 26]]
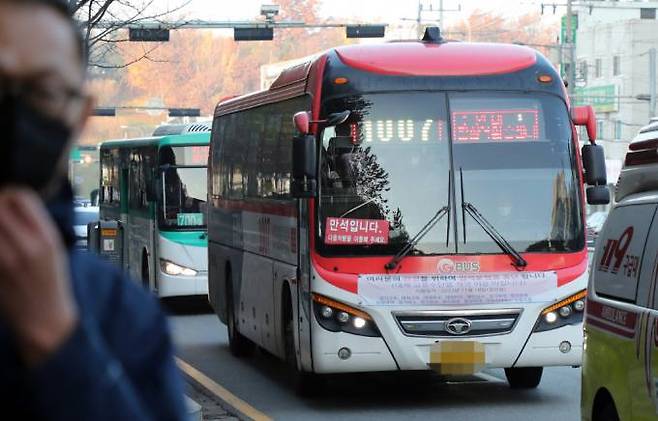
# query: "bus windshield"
[[183, 204], [403, 156]]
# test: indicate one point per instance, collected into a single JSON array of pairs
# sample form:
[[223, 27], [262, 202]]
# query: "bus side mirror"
[[584, 116], [595, 175], [304, 167], [302, 122], [598, 195]]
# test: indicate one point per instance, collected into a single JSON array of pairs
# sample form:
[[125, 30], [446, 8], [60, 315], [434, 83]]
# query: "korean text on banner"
[[467, 289]]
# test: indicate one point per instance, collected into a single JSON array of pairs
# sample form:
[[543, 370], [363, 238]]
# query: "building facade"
[[613, 56]]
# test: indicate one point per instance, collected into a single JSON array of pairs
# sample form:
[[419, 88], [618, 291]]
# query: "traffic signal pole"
[[571, 51]]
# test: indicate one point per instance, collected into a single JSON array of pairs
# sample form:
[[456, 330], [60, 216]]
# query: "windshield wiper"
[[519, 261], [411, 244]]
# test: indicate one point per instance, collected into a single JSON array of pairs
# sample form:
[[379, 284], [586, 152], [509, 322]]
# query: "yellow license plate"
[[457, 357]]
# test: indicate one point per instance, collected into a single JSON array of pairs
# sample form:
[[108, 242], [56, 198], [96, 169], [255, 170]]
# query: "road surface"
[[261, 381]]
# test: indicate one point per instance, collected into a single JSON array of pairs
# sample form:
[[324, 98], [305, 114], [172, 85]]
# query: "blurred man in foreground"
[[77, 340]]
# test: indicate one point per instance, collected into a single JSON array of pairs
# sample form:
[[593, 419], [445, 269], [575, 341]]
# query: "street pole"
[[419, 20], [441, 14], [652, 82], [571, 50]]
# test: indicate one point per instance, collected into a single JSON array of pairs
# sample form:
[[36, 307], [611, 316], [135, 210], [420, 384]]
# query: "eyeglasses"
[[54, 99]]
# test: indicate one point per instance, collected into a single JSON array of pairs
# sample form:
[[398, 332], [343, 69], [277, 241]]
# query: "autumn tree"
[[198, 68], [485, 26]]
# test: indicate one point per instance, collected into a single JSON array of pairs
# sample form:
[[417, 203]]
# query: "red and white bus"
[[405, 206]]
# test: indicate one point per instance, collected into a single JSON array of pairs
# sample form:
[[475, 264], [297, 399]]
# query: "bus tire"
[[524, 377], [303, 383], [239, 345]]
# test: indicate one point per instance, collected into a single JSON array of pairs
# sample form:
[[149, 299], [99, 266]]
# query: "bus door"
[[123, 214], [304, 286], [140, 215]]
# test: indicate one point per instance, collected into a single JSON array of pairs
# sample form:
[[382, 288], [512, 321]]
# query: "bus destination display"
[[494, 126]]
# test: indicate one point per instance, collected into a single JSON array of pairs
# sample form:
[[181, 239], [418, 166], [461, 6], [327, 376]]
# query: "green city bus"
[[156, 188]]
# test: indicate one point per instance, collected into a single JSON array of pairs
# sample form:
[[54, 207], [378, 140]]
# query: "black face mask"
[[31, 144]]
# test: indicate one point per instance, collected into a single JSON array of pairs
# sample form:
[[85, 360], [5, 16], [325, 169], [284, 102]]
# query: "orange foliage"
[[197, 68], [484, 26]]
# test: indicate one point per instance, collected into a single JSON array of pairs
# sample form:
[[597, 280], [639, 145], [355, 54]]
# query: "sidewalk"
[[212, 409]]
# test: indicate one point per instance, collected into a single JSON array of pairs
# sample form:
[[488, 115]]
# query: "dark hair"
[[63, 8]]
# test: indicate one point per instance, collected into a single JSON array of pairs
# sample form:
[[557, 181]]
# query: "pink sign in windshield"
[[356, 231]]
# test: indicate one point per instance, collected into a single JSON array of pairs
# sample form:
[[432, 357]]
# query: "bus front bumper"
[[395, 350], [178, 286]]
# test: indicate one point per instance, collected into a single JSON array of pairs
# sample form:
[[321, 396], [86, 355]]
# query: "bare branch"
[[144, 56], [116, 15]]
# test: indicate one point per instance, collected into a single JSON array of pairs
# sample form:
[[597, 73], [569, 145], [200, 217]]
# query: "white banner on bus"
[[457, 289]]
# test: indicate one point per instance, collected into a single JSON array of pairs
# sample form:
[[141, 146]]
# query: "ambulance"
[[620, 361]]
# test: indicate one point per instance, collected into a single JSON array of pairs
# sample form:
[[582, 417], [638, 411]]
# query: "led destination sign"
[[467, 126], [493, 126]]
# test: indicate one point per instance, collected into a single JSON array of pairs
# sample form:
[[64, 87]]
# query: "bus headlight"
[[171, 268], [338, 317], [570, 311]]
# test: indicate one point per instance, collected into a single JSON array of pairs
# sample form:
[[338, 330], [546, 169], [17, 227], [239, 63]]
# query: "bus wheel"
[[524, 377], [239, 345], [304, 383]]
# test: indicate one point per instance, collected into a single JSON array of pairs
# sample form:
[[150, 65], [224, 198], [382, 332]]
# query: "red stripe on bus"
[[342, 272]]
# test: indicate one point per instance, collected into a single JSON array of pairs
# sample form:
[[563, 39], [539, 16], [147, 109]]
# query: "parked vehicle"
[[620, 362], [83, 215]]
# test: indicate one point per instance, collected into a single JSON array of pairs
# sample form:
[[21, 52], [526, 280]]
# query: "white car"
[[83, 216]]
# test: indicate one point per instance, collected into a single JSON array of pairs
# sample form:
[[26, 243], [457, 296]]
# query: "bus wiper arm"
[[519, 261], [411, 244]]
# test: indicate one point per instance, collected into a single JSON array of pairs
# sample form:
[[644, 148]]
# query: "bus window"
[[513, 153], [183, 187], [388, 165], [184, 198]]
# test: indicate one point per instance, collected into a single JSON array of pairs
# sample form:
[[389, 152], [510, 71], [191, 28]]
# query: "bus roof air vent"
[[433, 35], [179, 129], [204, 126]]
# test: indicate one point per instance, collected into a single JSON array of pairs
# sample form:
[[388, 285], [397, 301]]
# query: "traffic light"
[[184, 112], [104, 112], [365, 31], [253, 34], [148, 34]]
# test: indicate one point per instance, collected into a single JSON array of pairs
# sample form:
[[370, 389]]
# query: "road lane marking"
[[245, 411]]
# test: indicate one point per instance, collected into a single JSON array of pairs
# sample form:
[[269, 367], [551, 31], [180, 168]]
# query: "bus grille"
[[457, 323]]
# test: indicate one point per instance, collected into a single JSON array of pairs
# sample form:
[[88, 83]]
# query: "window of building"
[[648, 13], [616, 65], [598, 68], [618, 130], [583, 70], [599, 129]]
